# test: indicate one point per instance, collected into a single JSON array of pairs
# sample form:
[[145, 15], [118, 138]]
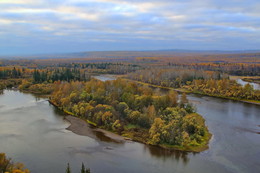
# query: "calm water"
[[33, 132], [105, 77], [256, 86]]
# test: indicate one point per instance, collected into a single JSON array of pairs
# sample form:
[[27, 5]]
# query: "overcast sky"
[[54, 26]]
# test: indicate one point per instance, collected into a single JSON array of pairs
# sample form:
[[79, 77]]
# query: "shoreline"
[[81, 127], [191, 92]]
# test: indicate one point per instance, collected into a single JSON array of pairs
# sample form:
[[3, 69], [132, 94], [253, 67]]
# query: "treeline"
[[173, 77], [7, 166], [133, 111], [10, 73], [104, 68], [224, 88], [239, 69], [9, 83], [59, 74]]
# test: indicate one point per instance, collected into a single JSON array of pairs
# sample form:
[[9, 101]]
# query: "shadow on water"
[[165, 154], [103, 138], [57, 111]]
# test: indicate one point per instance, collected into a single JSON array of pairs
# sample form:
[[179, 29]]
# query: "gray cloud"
[[122, 24]]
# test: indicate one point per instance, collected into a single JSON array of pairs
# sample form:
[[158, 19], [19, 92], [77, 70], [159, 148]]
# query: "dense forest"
[[239, 69], [173, 77], [210, 83], [224, 88]]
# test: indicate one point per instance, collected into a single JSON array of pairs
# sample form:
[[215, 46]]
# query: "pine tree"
[[83, 168], [68, 169], [87, 170]]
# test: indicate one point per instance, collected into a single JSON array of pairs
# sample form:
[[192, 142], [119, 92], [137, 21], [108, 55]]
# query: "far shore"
[[181, 90]]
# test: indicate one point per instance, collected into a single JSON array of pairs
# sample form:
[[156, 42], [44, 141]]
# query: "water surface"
[[34, 132]]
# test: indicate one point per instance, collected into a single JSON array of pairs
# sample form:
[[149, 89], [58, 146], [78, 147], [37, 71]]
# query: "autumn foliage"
[[133, 110]]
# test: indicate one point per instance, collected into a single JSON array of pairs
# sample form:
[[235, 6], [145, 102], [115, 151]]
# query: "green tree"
[[68, 168], [184, 100], [83, 168]]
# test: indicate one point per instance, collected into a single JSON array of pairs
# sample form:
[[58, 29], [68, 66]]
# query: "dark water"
[[33, 132]]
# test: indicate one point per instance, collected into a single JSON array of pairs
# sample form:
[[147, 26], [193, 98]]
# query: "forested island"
[[135, 112]]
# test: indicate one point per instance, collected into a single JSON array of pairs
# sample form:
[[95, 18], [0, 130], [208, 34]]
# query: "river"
[[33, 132], [239, 80]]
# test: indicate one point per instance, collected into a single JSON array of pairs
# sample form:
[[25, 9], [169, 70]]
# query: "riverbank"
[[250, 79], [81, 127], [182, 90], [227, 98]]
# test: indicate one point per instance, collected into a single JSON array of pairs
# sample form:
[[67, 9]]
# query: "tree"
[[184, 100], [156, 131], [173, 98], [133, 117], [122, 107], [151, 113], [7, 166], [4, 163], [83, 168], [68, 168]]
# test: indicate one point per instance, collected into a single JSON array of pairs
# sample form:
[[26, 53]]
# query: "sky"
[[61, 26]]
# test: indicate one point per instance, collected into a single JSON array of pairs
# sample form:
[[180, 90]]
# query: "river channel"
[[33, 132]]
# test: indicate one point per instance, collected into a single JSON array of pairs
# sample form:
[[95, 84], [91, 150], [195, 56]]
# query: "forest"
[[207, 78], [210, 83]]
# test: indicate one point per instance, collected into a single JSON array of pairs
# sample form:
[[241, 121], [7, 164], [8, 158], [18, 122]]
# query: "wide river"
[[34, 133]]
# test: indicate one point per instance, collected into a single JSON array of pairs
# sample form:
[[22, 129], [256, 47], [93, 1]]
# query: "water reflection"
[[166, 154], [102, 137]]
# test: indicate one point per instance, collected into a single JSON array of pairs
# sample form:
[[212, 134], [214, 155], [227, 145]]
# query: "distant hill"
[[130, 54]]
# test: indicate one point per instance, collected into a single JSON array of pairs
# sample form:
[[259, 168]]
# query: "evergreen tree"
[[68, 169], [87, 170], [83, 168]]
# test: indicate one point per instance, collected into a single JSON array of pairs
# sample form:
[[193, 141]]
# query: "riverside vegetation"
[[7, 166], [209, 83]]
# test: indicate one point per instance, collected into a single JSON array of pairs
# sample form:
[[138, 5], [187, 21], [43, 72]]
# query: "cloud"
[[205, 24]]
